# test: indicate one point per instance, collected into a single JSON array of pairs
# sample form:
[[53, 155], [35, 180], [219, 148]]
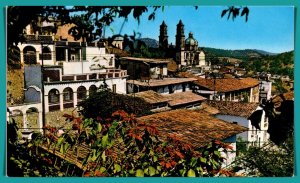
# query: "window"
[[53, 96], [171, 89], [92, 89], [114, 88], [72, 57], [81, 93], [110, 63], [68, 94]]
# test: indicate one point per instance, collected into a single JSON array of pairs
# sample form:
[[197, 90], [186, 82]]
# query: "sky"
[[269, 28]]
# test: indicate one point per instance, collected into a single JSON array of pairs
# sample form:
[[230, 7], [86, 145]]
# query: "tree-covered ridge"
[[254, 60], [281, 64], [240, 54]]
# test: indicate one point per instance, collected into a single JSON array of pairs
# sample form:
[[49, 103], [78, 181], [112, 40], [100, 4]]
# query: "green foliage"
[[241, 146], [234, 11], [281, 64], [103, 103], [91, 19], [122, 146], [279, 86], [25, 159], [271, 161]]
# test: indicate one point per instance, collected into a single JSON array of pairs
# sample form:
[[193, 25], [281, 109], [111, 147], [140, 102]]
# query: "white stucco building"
[[68, 82], [68, 71], [239, 113]]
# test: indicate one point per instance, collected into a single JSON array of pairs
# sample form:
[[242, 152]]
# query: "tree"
[[277, 157], [269, 161], [234, 11], [279, 86], [103, 103], [88, 18]]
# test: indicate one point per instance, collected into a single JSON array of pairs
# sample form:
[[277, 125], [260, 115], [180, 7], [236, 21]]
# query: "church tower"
[[180, 38], [163, 36]]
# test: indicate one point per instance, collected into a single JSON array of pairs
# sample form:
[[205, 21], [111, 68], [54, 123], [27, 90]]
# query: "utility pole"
[[43, 90]]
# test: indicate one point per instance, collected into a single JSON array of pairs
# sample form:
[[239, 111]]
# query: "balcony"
[[111, 73], [34, 38]]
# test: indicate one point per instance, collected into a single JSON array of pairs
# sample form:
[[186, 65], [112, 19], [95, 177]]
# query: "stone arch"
[[92, 89], [29, 53], [53, 99], [32, 116], [68, 97], [81, 93]]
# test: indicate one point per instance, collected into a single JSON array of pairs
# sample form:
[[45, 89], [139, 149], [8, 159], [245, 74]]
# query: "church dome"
[[191, 41]]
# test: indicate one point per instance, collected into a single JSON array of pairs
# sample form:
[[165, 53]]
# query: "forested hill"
[[282, 64], [241, 54]]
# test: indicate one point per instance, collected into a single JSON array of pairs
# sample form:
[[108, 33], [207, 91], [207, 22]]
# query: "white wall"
[[202, 59], [98, 56], [231, 154], [120, 88], [252, 135], [267, 86], [240, 120], [155, 71], [177, 88]]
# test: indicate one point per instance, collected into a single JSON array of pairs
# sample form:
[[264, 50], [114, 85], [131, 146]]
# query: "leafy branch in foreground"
[[120, 146], [233, 12]]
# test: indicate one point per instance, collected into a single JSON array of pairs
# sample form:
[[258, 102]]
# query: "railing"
[[54, 106], [38, 38], [68, 104], [91, 76], [45, 56]]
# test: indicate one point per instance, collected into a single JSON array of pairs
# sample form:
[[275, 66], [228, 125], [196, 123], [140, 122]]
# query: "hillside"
[[281, 64], [151, 43], [240, 54]]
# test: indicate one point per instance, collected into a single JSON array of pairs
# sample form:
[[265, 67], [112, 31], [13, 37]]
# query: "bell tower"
[[180, 36], [163, 36]]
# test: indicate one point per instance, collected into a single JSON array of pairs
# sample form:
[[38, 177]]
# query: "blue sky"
[[269, 28]]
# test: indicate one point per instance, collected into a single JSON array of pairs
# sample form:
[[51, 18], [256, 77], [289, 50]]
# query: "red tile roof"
[[151, 96], [192, 126], [183, 98], [162, 82], [227, 84], [233, 108]]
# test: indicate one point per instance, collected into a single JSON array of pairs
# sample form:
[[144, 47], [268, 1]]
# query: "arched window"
[[81, 93], [53, 96], [68, 97], [29, 55], [46, 53], [68, 94], [92, 89]]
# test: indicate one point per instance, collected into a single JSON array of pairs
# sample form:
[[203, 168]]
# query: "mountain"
[[264, 52], [241, 54], [151, 43]]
